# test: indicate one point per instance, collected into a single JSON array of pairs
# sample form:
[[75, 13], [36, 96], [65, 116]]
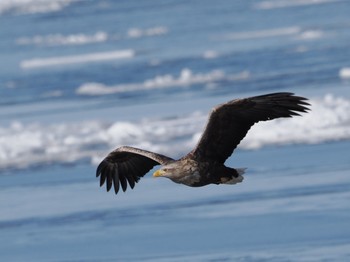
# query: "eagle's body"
[[227, 126], [191, 172]]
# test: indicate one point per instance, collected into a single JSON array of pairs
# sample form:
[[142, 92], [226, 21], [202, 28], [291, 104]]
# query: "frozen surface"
[[294, 205], [26, 145], [80, 78]]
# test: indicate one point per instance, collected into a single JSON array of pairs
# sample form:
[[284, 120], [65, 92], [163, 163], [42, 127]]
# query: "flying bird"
[[227, 125]]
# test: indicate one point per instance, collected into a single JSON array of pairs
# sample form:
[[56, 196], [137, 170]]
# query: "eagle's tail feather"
[[235, 180]]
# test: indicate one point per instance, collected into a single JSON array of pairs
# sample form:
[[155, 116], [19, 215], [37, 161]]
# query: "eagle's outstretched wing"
[[229, 123], [127, 165]]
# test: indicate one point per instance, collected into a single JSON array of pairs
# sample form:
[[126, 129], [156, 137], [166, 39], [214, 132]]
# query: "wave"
[[75, 59], [24, 145], [287, 3], [59, 39], [185, 78], [33, 6]]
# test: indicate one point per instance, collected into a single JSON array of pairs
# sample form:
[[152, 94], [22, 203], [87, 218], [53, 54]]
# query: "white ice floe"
[[344, 73], [59, 39], [185, 78], [310, 34], [289, 3], [296, 32], [329, 120], [285, 31], [23, 145], [210, 54], [33, 6], [153, 31], [76, 59]]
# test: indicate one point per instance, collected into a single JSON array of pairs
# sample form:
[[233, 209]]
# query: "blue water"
[[79, 78]]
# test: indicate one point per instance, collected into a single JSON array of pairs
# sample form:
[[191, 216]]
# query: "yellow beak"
[[158, 173]]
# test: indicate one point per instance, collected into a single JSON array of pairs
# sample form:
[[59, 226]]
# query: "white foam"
[[59, 39], [344, 73], [186, 78], [33, 6], [23, 145], [288, 3], [75, 59]]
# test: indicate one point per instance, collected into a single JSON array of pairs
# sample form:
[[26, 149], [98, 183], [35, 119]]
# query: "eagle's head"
[[171, 170], [182, 171]]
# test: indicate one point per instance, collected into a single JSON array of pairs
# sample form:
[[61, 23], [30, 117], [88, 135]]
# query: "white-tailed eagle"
[[227, 126]]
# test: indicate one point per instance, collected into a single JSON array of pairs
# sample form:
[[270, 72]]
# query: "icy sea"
[[80, 78]]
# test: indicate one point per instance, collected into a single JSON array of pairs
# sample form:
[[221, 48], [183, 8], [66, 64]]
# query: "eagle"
[[228, 124]]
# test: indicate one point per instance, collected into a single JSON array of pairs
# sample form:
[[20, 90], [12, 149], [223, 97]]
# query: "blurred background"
[[80, 78]]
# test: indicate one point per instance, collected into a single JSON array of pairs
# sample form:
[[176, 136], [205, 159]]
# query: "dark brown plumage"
[[127, 165], [227, 126]]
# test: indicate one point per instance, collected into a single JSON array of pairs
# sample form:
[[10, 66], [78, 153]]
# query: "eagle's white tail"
[[238, 179]]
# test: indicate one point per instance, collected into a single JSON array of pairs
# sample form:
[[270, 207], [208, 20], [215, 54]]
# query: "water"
[[80, 78]]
